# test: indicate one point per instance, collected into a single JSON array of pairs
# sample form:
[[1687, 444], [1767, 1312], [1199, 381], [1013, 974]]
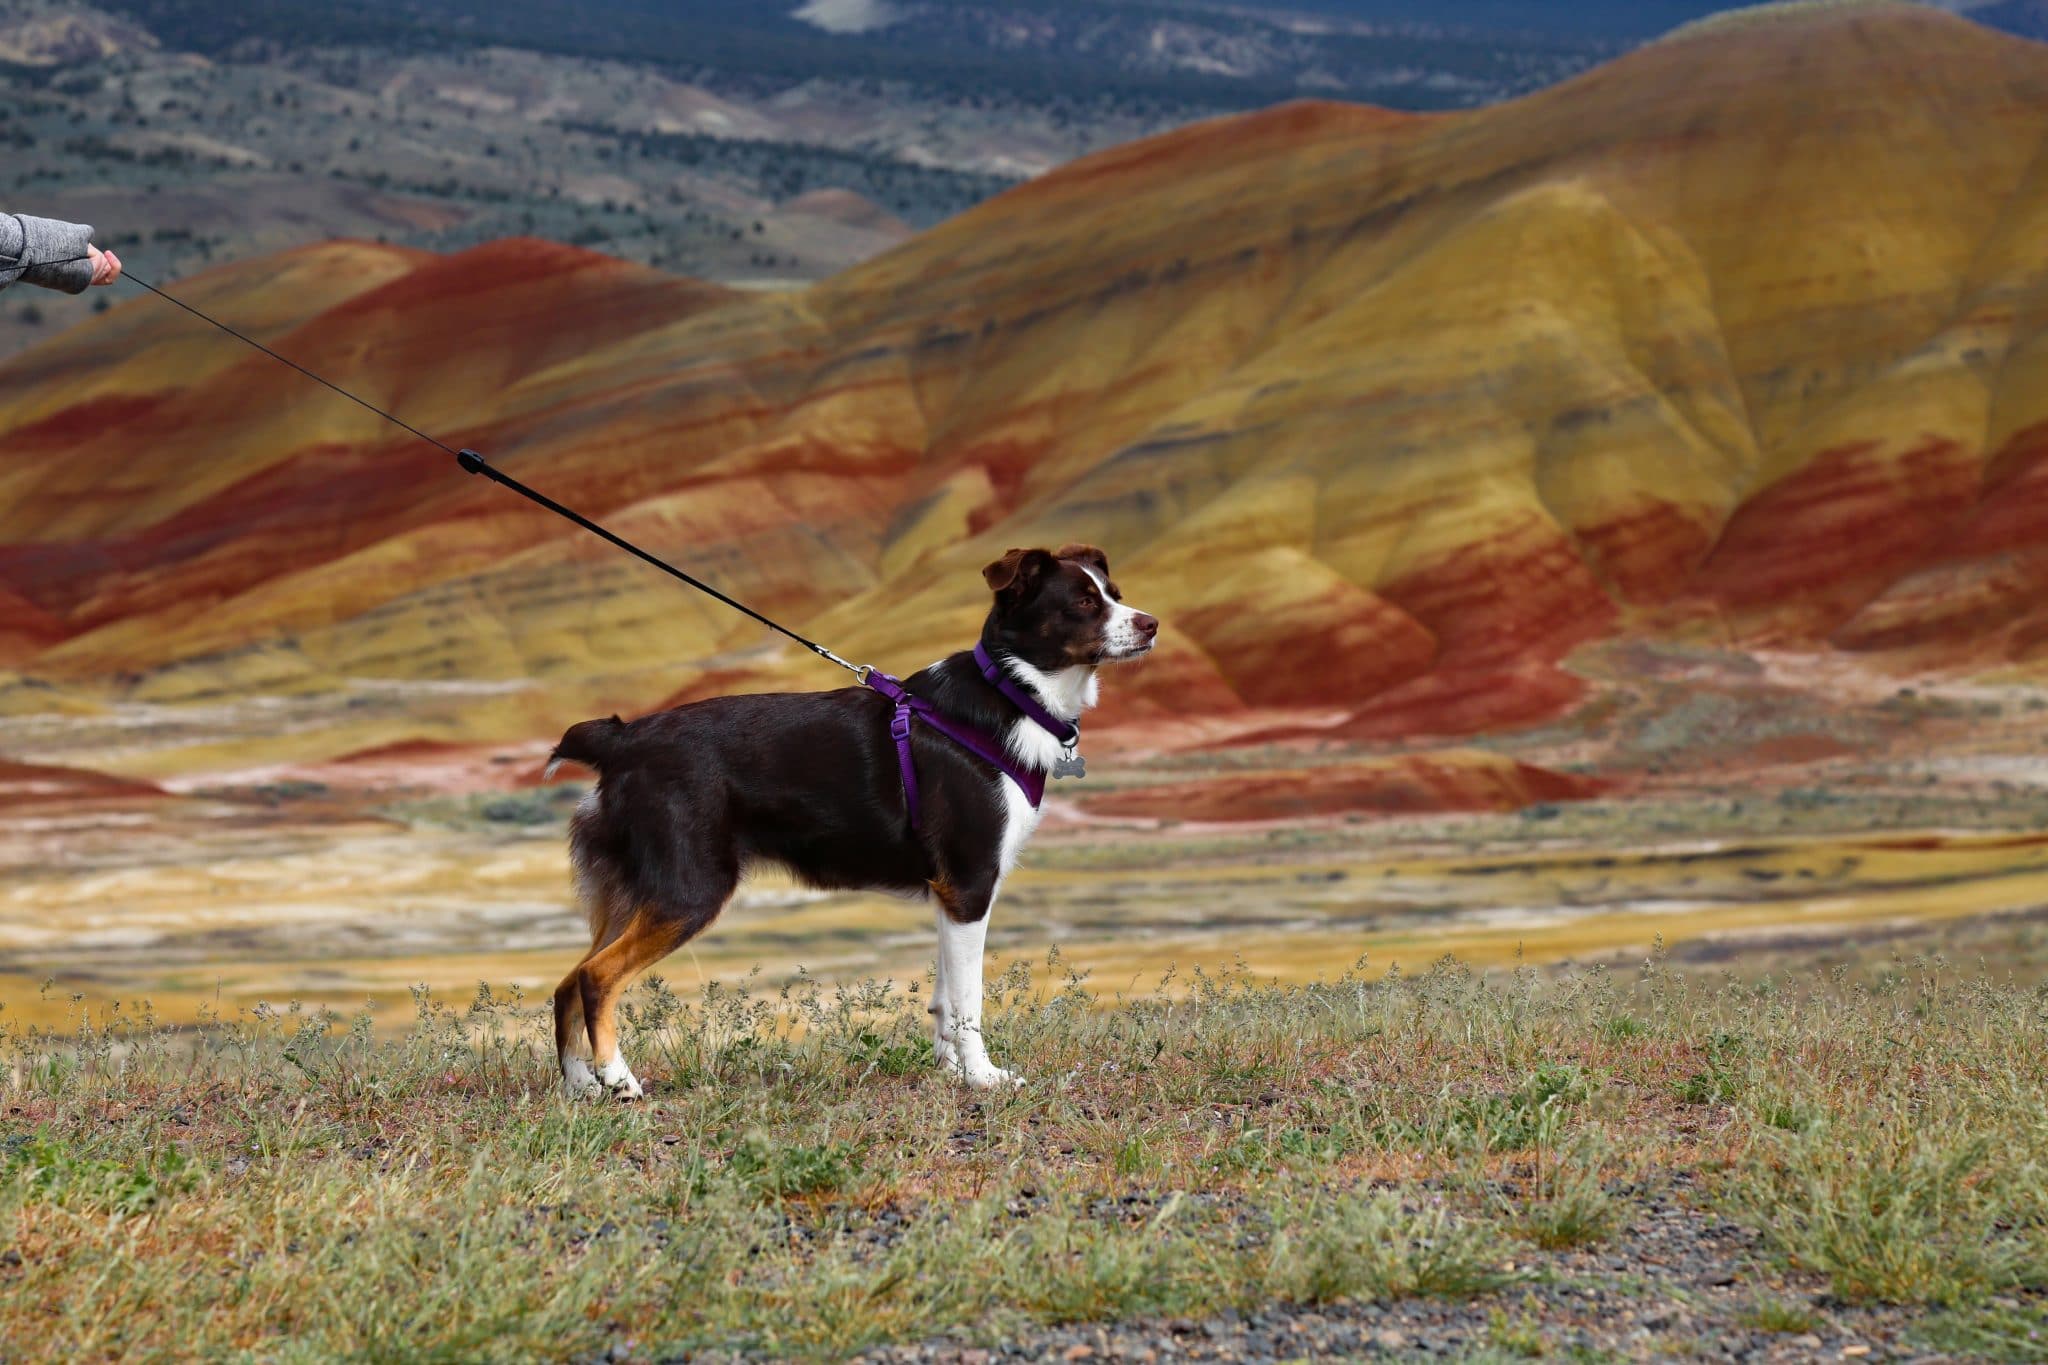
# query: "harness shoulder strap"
[[911, 708], [899, 731]]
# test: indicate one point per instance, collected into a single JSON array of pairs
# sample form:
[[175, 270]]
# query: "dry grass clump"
[[289, 1185]]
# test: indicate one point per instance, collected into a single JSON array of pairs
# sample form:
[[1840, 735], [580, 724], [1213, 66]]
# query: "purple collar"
[[1031, 781], [1066, 732]]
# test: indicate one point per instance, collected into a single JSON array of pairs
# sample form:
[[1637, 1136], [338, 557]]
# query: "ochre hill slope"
[[1741, 335]]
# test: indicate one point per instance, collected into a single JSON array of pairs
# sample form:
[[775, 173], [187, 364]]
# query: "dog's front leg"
[[941, 1007], [963, 936]]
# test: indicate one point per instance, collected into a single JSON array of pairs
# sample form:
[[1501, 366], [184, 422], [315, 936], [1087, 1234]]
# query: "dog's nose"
[[1147, 626]]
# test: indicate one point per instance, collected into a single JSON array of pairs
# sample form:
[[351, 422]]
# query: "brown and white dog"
[[688, 800]]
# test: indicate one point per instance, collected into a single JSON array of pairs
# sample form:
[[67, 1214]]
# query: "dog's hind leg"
[[608, 919], [603, 977], [572, 1037], [663, 857]]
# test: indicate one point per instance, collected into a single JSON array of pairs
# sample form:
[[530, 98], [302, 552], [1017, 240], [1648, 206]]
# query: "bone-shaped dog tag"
[[1072, 765]]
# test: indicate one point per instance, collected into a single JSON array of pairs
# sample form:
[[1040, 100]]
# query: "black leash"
[[476, 464], [246, 340], [285, 360]]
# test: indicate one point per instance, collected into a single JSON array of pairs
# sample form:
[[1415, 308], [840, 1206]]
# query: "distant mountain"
[[1613, 20], [1740, 339], [1608, 19], [686, 134], [2026, 18], [38, 37], [1212, 55], [1217, 54]]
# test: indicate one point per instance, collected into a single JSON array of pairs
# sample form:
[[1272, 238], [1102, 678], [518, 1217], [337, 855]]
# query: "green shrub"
[[774, 1169], [1899, 1215], [1376, 1246]]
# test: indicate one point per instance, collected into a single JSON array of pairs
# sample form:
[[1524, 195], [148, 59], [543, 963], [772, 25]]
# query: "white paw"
[[989, 1077], [578, 1081], [619, 1079]]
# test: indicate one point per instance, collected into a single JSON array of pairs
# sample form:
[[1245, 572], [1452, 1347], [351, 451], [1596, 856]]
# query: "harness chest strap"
[[966, 736]]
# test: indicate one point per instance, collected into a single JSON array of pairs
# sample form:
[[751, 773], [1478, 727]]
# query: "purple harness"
[[966, 736]]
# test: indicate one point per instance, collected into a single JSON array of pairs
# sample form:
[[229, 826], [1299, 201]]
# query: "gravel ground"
[[1674, 1282]]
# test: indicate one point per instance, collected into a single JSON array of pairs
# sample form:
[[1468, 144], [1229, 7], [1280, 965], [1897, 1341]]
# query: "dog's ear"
[[1014, 575], [1086, 554]]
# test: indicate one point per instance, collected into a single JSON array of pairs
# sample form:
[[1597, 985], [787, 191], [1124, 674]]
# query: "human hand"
[[106, 266]]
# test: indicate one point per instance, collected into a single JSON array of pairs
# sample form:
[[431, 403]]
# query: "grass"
[[291, 1185], [2002, 1332], [1778, 1316]]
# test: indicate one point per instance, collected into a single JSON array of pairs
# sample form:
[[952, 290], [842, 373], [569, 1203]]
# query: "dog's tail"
[[591, 743]]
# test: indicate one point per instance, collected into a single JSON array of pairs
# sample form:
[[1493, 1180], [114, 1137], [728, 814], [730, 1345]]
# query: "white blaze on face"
[[1120, 637]]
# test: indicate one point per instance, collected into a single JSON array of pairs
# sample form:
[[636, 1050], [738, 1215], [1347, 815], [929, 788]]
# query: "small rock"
[[1080, 1350]]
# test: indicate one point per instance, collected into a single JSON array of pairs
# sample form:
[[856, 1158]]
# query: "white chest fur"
[[1066, 694], [1020, 822]]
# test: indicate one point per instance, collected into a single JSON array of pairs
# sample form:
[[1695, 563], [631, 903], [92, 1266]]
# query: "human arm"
[[50, 253]]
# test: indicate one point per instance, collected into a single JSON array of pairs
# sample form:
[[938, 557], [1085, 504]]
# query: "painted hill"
[[1740, 337]]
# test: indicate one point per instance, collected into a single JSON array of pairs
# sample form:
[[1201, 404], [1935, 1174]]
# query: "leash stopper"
[[470, 461]]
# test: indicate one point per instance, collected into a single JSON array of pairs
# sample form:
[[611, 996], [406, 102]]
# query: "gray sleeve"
[[44, 251], [12, 240]]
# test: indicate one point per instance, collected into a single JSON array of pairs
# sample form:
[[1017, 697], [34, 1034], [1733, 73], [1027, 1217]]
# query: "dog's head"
[[1058, 609]]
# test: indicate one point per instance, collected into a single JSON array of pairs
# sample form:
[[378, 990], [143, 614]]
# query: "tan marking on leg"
[[948, 897], [607, 918], [606, 974]]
